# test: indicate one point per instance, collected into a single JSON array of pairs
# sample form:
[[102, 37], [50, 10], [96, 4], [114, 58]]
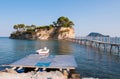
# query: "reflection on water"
[[56, 47], [64, 47], [91, 62]]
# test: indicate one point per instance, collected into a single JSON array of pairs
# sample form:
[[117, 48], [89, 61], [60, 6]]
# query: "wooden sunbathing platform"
[[37, 61]]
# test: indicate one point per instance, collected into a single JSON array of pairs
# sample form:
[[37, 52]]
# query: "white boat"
[[43, 51]]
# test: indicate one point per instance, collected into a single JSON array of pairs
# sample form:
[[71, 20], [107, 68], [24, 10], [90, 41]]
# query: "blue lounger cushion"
[[41, 64]]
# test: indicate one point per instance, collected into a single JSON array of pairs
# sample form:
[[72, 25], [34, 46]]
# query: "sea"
[[91, 61]]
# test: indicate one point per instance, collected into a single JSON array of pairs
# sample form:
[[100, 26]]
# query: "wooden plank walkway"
[[57, 61], [95, 43]]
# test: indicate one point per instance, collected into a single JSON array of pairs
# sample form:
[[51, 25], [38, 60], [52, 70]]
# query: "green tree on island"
[[16, 27], [19, 27], [61, 22], [64, 22]]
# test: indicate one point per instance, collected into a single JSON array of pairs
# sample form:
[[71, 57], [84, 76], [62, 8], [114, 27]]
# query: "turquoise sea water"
[[91, 62]]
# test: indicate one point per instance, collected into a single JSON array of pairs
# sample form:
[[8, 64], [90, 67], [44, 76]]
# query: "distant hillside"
[[94, 34]]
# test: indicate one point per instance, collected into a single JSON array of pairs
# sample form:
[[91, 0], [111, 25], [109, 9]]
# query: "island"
[[60, 29], [95, 34]]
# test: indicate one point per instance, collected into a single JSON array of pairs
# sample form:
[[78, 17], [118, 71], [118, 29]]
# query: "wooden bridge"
[[97, 44]]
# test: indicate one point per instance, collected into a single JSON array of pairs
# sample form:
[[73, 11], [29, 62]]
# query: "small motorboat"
[[43, 51]]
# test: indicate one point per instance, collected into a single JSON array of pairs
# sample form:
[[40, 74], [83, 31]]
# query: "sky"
[[102, 16]]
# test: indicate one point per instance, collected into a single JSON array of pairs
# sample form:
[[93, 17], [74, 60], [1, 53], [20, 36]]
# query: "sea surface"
[[91, 61]]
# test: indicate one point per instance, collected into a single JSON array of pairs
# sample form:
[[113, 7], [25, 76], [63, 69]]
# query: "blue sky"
[[101, 16]]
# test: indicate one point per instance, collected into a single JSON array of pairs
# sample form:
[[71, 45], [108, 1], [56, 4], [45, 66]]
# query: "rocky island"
[[61, 29]]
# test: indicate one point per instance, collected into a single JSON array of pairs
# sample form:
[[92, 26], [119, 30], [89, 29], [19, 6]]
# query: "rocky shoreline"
[[45, 34], [12, 74]]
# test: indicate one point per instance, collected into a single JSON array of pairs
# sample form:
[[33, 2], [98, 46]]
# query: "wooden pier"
[[97, 44], [36, 61]]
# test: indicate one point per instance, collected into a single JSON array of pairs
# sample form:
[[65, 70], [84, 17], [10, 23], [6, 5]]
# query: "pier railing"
[[115, 40], [111, 44]]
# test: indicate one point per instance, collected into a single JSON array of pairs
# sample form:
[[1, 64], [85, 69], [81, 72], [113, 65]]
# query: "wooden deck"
[[57, 61]]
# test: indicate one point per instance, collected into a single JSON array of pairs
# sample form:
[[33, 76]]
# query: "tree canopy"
[[19, 27], [64, 22], [61, 22]]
